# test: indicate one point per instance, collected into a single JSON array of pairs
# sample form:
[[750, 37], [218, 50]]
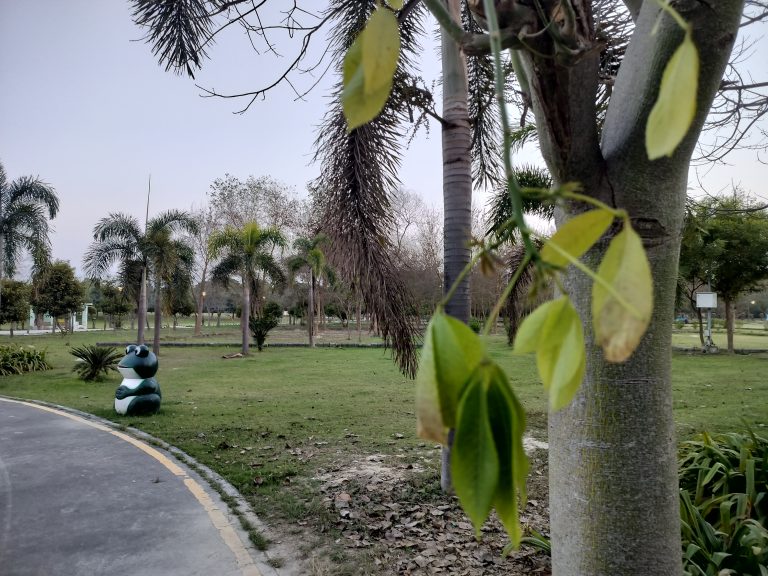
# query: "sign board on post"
[[706, 300]]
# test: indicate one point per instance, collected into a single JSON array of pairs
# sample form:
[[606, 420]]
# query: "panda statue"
[[139, 392]]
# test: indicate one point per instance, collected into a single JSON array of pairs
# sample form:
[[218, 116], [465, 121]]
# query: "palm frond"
[[487, 166], [172, 221], [500, 204], [100, 256], [514, 307], [267, 264], [178, 31], [358, 172], [230, 265], [34, 190], [118, 226]]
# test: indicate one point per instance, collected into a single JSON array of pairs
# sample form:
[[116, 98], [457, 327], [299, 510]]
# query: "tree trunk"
[[700, 317], [311, 310], [457, 187], [359, 324], [728, 303], [158, 318], [199, 316], [244, 315], [613, 470], [142, 314]]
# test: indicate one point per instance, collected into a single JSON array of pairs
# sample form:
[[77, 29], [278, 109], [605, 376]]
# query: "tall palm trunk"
[[311, 310], [244, 315], [158, 317], [199, 317], [457, 186], [142, 312]]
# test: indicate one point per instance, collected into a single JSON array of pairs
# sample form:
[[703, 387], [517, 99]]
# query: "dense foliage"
[[263, 322], [20, 359], [724, 505]]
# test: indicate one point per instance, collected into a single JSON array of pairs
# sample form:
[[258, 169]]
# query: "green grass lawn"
[[271, 422]]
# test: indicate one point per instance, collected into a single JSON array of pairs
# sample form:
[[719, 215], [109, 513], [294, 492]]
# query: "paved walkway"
[[80, 498]]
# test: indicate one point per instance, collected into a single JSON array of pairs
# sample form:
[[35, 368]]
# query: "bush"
[[18, 359], [262, 324], [95, 362], [724, 505], [475, 325]]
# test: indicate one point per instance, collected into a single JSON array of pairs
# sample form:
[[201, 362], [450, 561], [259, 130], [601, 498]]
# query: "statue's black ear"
[[130, 348], [142, 351]]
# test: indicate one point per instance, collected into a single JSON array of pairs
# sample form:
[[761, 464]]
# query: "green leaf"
[[561, 359], [474, 462], [529, 333], [555, 332], [396, 4], [675, 107], [369, 67], [576, 236], [507, 419], [451, 353], [620, 322]]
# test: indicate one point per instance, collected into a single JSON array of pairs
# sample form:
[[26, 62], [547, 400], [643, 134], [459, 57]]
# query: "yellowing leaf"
[[576, 236], [396, 4], [451, 353], [369, 67], [675, 107], [621, 314], [474, 462]]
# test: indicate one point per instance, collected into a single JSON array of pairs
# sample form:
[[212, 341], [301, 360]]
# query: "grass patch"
[[275, 421]]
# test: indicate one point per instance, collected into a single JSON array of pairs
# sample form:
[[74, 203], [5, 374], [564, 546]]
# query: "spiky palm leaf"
[[95, 362]]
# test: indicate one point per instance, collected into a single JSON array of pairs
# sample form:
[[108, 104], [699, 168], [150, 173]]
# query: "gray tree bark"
[[142, 312], [457, 187], [158, 317], [311, 309], [244, 315], [729, 323], [613, 473]]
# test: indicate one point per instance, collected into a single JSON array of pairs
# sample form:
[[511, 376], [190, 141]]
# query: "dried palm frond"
[[358, 174]]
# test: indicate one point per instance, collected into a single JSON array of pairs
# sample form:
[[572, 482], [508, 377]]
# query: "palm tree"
[[26, 205], [246, 252], [120, 238], [311, 256]]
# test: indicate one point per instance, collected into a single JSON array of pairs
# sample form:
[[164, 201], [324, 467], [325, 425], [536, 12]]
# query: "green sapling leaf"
[[450, 354], [576, 236], [369, 67], [675, 107], [474, 461]]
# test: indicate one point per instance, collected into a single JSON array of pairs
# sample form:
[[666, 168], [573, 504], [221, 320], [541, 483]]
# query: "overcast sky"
[[84, 105]]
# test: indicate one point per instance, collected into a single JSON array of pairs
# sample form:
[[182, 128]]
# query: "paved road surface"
[[79, 498]]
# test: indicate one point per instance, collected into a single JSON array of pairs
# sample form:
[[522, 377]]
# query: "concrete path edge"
[[241, 513]]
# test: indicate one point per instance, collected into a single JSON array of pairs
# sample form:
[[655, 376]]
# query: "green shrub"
[[724, 505], [18, 359], [95, 362], [261, 325], [475, 325]]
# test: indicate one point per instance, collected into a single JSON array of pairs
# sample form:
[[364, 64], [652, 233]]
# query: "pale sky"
[[84, 105]]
